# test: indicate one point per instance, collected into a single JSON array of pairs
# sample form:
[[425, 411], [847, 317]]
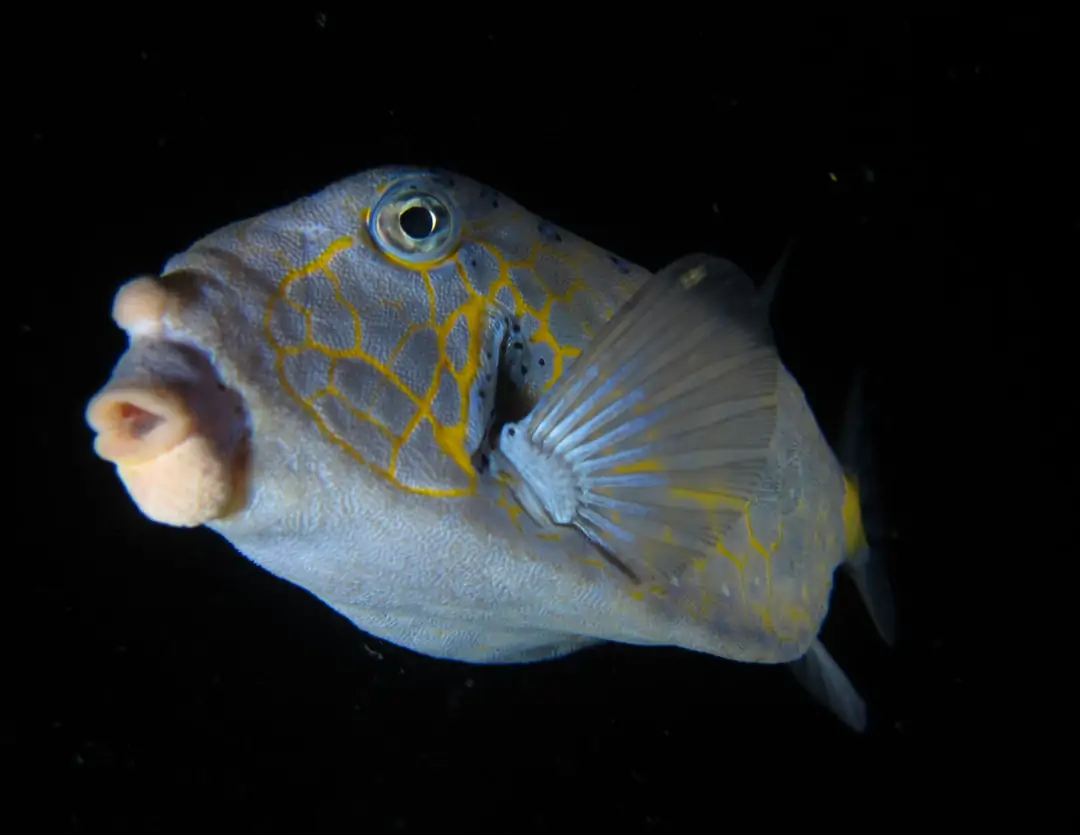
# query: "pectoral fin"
[[657, 437]]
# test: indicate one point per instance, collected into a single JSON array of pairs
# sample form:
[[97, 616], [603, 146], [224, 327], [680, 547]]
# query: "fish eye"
[[415, 222]]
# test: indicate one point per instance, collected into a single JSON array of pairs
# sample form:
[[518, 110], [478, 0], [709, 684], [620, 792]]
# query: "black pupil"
[[417, 222]]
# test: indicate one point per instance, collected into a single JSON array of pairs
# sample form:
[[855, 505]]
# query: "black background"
[[163, 683]]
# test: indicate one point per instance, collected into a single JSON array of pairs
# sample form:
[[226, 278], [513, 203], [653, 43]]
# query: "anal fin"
[[823, 678]]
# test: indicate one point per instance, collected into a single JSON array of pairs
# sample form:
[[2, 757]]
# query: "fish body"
[[329, 386]]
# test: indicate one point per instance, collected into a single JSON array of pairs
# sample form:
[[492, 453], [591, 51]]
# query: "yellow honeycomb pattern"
[[384, 446]]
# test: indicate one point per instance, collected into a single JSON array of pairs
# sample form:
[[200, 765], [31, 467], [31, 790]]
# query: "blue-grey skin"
[[318, 386]]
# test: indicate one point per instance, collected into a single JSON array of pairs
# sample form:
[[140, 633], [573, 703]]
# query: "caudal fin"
[[865, 563]]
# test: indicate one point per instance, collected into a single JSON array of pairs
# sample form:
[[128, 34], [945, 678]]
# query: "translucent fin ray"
[[823, 678]]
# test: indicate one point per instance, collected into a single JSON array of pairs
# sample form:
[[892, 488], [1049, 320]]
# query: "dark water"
[[162, 683]]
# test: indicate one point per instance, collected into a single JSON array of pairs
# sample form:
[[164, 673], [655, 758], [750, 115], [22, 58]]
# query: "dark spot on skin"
[[484, 461], [541, 361], [487, 354], [517, 346], [472, 262], [620, 265], [483, 394], [516, 328], [524, 370], [487, 376], [494, 204], [510, 432], [548, 232]]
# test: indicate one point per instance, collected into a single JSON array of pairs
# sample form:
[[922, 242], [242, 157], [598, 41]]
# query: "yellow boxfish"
[[482, 438]]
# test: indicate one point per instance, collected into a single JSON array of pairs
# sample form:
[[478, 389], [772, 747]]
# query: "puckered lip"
[[177, 433]]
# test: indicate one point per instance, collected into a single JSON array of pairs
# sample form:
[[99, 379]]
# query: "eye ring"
[[415, 222]]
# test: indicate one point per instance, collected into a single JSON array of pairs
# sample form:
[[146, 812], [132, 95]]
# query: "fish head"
[[345, 354]]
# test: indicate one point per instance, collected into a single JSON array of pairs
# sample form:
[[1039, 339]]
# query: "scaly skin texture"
[[364, 386]]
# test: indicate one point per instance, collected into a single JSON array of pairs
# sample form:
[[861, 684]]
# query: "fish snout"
[[176, 433]]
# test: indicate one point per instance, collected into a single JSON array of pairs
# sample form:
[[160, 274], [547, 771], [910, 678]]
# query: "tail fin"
[[865, 564]]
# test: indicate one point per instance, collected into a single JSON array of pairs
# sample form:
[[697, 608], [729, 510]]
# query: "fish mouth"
[[176, 432]]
